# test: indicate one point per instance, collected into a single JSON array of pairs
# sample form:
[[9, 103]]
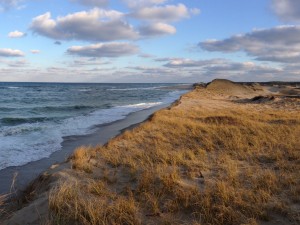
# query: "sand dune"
[[223, 86], [208, 159]]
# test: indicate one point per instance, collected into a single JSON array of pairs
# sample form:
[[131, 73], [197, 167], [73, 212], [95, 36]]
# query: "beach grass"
[[206, 160]]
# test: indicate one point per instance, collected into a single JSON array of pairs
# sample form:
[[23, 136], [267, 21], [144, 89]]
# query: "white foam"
[[82, 124], [21, 149], [19, 129], [135, 89], [85, 89]]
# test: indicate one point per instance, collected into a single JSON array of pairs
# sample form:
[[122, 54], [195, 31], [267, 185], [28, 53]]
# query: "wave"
[[24, 145], [20, 130], [142, 105], [51, 108], [133, 89], [11, 121], [7, 109], [62, 108], [162, 87], [84, 124], [85, 89], [13, 87]]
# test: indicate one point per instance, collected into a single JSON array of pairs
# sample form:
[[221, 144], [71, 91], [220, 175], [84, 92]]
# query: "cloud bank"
[[100, 25], [287, 10], [143, 3], [9, 4], [94, 25], [7, 52], [278, 44], [98, 3], [167, 13], [157, 29], [110, 50]]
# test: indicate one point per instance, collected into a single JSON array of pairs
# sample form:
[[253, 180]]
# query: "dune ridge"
[[228, 87]]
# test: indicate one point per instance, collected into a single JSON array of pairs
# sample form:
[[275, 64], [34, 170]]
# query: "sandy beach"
[[224, 153]]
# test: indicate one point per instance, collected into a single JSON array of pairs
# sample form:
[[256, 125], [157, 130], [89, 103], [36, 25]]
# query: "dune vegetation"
[[207, 160], [210, 158]]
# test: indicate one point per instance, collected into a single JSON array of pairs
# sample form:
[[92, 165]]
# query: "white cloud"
[[188, 70], [98, 3], [195, 11], [167, 13], [146, 56], [104, 50], [16, 34], [143, 3], [18, 63], [86, 62], [9, 4], [35, 51], [77, 71], [94, 25], [215, 66], [100, 25], [7, 52], [278, 44], [183, 63], [157, 29], [287, 10]]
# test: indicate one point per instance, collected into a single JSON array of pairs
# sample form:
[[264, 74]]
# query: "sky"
[[149, 40]]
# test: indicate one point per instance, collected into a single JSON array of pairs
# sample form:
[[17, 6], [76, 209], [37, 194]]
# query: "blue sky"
[[149, 40]]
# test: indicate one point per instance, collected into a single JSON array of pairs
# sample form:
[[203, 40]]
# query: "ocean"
[[35, 117]]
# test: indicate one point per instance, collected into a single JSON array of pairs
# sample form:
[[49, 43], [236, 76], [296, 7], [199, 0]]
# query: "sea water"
[[35, 117]]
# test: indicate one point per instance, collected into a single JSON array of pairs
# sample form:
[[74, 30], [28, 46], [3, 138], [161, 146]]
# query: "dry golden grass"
[[92, 203], [81, 159], [208, 160]]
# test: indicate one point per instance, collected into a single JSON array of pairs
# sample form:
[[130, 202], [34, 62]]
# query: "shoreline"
[[104, 132]]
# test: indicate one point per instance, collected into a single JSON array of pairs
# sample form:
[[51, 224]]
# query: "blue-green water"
[[34, 117]]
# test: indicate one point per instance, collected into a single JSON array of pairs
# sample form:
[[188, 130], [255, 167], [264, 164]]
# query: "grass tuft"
[[81, 159]]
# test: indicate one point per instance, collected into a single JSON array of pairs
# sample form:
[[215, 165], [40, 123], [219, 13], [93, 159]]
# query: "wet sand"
[[30, 171]]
